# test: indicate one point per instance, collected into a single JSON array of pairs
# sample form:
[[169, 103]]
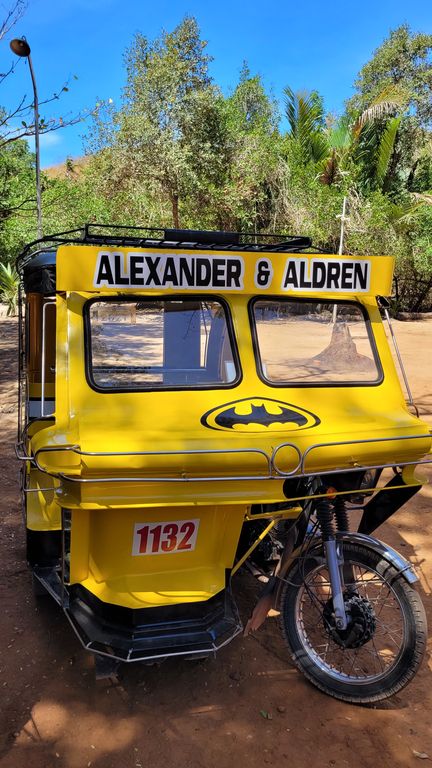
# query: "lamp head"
[[20, 47]]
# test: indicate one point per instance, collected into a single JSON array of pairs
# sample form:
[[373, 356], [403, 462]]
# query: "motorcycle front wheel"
[[382, 647]]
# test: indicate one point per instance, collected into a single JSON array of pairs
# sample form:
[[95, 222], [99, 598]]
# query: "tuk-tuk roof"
[[103, 258], [37, 262]]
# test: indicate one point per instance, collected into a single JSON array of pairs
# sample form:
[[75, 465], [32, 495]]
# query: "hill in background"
[[72, 166]]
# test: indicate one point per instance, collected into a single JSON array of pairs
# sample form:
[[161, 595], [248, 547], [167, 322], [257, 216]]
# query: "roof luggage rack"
[[157, 237]]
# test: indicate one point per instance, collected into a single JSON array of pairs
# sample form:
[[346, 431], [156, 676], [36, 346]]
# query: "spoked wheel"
[[382, 647]]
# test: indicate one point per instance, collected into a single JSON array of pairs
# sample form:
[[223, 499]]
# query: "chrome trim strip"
[[360, 442], [272, 471], [400, 361]]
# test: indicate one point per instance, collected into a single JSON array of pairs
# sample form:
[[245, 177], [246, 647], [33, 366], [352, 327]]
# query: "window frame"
[[316, 384], [158, 298]]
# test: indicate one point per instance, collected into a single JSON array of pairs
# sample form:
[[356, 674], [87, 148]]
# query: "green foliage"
[[9, 285], [422, 242], [402, 67], [251, 156], [17, 196]]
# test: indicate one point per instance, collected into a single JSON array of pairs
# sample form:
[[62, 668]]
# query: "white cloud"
[[48, 140]]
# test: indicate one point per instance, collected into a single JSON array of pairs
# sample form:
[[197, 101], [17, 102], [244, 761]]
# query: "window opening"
[[302, 343]]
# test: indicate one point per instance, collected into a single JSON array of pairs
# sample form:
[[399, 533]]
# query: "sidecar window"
[[135, 345], [314, 343]]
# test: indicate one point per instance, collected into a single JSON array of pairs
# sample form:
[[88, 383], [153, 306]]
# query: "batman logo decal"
[[259, 414]]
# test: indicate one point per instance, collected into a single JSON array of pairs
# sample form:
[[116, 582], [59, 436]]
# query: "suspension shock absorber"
[[325, 515], [341, 514]]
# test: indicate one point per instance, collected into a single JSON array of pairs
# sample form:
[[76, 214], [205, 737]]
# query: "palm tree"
[[366, 140]]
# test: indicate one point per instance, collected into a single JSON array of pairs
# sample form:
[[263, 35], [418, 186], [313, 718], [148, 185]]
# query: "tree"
[[404, 61], [17, 192], [166, 80], [251, 156], [177, 151], [17, 163]]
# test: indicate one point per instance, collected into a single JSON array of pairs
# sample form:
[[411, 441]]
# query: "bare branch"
[[54, 124], [14, 14], [4, 75], [7, 118], [24, 106], [16, 210]]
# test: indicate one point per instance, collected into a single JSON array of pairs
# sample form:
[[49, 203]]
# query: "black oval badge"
[[258, 414]]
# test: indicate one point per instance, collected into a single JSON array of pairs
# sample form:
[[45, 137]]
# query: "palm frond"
[[291, 109], [330, 170], [403, 215], [305, 117], [319, 147], [340, 136], [390, 100], [9, 283], [423, 197], [385, 149]]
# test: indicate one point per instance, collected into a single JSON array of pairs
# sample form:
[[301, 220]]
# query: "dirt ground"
[[246, 707]]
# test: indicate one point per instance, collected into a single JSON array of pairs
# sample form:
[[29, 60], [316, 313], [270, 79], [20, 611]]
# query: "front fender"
[[387, 553], [384, 550]]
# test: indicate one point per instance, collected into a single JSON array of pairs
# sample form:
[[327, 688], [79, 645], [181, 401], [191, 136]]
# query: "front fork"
[[338, 572], [335, 562]]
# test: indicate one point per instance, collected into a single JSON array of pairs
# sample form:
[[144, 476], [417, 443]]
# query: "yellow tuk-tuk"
[[193, 401]]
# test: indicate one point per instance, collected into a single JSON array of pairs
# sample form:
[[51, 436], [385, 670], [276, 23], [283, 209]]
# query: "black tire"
[[333, 669]]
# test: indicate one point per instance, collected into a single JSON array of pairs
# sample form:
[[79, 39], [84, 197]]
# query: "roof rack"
[[157, 237]]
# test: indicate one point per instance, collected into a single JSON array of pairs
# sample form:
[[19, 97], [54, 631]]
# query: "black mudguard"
[[385, 503]]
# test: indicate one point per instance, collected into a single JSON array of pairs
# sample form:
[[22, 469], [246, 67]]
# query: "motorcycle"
[[194, 402]]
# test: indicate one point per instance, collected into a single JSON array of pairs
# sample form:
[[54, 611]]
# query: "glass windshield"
[[165, 343], [314, 343]]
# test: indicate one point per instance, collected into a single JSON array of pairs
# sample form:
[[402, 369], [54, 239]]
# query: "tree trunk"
[[175, 210], [410, 179], [391, 170]]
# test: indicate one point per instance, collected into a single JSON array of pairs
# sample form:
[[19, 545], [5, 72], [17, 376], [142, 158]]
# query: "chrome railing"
[[270, 470]]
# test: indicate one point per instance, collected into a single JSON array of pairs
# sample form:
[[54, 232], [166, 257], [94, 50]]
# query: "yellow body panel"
[[151, 580], [43, 510]]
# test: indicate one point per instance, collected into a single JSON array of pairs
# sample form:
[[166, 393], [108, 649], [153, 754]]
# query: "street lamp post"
[[20, 47]]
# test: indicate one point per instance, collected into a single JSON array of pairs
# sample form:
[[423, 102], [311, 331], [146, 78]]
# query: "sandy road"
[[184, 714]]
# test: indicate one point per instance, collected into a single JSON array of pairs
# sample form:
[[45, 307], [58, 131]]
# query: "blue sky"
[[314, 44]]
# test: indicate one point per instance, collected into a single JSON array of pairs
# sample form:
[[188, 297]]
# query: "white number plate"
[[165, 538]]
